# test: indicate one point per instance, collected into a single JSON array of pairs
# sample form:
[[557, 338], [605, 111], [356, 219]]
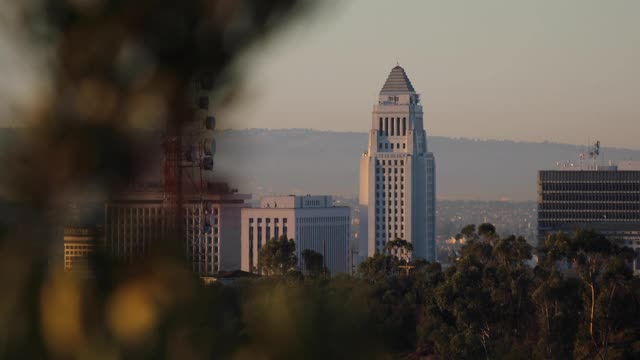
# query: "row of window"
[[587, 206], [77, 253], [591, 196], [391, 145], [595, 186], [584, 176], [380, 193], [276, 234], [390, 227], [87, 246], [380, 179], [380, 220], [382, 170], [268, 220], [588, 215], [381, 203], [395, 162], [392, 126], [381, 211], [302, 220]]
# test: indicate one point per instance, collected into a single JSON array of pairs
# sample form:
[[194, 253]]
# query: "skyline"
[[562, 73]]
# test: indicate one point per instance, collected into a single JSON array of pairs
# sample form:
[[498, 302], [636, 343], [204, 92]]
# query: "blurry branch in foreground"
[[110, 65]]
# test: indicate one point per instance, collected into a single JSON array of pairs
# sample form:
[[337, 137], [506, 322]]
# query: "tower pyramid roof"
[[397, 82]]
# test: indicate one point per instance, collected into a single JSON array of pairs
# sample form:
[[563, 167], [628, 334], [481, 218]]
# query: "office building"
[[80, 244], [605, 198], [134, 219], [312, 222], [397, 174]]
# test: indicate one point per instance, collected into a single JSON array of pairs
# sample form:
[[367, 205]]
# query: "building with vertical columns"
[[134, 220], [397, 174], [312, 222]]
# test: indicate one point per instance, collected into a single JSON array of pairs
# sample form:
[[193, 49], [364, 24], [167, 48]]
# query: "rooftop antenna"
[[592, 153]]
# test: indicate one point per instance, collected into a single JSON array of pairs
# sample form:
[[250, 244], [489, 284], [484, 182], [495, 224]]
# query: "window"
[[392, 127]]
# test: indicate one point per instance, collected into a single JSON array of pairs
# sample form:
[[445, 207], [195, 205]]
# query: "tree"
[[482, 308], [278, 256], [607, 285], [399, 248], [556, 300], [313, 263]]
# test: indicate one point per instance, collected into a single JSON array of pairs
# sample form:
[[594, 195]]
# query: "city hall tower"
[[397, 174]]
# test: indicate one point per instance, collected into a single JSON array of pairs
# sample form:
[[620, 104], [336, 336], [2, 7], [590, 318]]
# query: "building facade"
[[397, 174], [602, 198], [312, 222], [80, 242], [134, 220]]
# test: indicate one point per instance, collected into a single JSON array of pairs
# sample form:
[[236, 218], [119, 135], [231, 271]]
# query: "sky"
[[547, 70]]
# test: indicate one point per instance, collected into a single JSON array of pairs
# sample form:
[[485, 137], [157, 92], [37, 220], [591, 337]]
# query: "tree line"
[[572, 297]]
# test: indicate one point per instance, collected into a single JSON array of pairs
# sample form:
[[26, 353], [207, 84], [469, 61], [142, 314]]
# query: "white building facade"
[[310, 221], [397, 174]]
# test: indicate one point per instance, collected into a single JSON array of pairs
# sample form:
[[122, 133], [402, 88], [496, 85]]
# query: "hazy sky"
[[559, 70]]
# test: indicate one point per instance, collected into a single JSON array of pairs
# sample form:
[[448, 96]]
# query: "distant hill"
[[309, 161], [261, 161]]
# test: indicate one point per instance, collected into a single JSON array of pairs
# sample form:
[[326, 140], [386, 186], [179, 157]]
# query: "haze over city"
[[562, 71]]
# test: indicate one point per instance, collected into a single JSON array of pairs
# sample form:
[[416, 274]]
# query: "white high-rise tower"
[[397, 174]]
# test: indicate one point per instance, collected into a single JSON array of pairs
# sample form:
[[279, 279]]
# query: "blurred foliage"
[[313, 264]]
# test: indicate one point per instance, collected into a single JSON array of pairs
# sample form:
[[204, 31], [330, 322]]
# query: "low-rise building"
[[80, 244], [312, 222]]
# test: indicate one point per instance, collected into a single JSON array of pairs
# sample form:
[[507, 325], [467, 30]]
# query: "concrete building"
[[79, 245], [133, 220], [397, 174], [590, 196], [311, 221]]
